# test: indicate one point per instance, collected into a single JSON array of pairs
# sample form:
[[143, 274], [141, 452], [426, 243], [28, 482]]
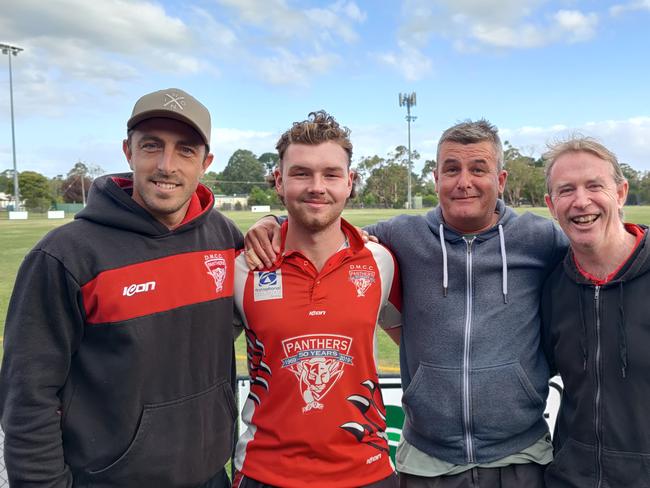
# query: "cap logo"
[[174, 101]]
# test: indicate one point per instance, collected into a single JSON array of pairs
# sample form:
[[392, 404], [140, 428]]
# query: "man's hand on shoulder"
[[262, 243], [365, 236]]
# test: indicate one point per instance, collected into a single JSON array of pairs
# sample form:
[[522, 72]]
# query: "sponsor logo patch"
[[131, 290], [217, 268], [317, 361], [267, 285]]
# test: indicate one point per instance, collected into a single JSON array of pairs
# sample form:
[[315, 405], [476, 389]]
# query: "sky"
[[540, 70]]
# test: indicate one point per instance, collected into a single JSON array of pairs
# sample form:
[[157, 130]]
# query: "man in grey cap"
[[118, 358]]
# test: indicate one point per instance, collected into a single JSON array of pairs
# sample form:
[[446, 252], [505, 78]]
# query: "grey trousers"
[[529, 475]]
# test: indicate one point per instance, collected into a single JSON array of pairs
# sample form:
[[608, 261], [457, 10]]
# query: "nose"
[[166, 162], [581, 198], [317, 184], [464, 179]]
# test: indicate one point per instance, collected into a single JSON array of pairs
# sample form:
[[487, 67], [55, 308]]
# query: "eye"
[[595, 187], [565, 191], [149, 146], [451, 171], [478, 171], [187, 151]]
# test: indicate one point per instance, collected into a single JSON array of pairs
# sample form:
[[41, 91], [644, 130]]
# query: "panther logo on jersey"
[[217, 266], [318, 362], [361, 279]]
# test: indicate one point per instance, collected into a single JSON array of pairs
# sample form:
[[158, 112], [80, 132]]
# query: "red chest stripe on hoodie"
[[158, 285]]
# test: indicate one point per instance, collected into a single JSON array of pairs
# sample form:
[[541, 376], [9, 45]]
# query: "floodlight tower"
[[408, 100], [12, 51]]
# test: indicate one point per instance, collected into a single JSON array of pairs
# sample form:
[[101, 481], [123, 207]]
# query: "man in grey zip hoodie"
[[473, 372]]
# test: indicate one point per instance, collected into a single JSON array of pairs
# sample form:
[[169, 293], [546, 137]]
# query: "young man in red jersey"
[[315, 414]]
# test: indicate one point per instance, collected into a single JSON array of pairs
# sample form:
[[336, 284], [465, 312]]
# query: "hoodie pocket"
[[626, 469], [573, 465], [504, 402], [177, 443], [432, 403]]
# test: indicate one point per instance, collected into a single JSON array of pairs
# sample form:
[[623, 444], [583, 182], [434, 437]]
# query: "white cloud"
[[474, 24], [631, 6], [286, 68], [629, 139], [410, 61], [280, 22], [78, 51], [290, 45], [575, 25]]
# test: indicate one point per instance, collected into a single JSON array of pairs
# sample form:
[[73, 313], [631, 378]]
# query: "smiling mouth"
[[584, 219], [164, 185]]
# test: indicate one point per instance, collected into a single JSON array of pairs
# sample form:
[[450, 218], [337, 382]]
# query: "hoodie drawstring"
[[445, 275], [622, 340], [504, 265]]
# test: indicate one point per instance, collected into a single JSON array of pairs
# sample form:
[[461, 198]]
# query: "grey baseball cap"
[[172, 103]]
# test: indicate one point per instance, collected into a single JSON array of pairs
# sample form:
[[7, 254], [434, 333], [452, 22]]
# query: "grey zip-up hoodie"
[[474, 375]]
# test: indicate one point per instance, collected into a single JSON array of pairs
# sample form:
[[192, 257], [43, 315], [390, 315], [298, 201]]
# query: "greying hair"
[[580, 143], [473, 132]]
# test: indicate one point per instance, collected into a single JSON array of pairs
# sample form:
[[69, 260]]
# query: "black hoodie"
[[119, 349], [598, 339]]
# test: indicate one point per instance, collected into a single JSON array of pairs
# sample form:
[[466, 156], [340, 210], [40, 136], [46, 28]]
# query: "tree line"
[[382, 181]]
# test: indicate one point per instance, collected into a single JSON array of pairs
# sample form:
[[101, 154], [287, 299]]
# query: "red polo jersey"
[[315, 414]]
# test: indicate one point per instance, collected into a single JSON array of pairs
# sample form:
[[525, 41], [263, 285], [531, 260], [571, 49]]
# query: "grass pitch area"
[[18, 237]]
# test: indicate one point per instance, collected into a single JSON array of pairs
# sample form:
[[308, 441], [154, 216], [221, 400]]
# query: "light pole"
[[408, 100], [12, 51]]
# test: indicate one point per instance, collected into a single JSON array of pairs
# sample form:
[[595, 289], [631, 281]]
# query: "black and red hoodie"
[[119, 348]]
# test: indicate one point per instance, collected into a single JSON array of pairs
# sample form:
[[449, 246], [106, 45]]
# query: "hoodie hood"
[[110, 203], [637, 263]]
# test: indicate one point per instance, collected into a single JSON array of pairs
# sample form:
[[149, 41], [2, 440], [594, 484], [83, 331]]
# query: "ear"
[[207, 162], [502, 177], [621, 193], [277, 174], [350, 181], [435, 179], [127, 152], [549, 204]]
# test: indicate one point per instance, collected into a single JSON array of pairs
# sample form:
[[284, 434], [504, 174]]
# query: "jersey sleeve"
[[390, 313]]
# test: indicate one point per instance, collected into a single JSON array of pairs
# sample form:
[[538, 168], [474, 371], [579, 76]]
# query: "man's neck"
[[318, 247], [602, 262]]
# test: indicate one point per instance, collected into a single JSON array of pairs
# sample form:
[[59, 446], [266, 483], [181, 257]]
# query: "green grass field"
[[18, 237]]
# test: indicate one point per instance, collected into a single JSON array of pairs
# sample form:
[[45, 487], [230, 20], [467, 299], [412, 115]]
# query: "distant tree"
[[7, 181], [211, 180], [268, 196], [386, 179], [242, 172], [270, 161], [633, 177], [56, 188], [35, 191], [78, 181]]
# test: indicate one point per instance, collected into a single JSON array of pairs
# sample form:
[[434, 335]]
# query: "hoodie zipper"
[[467, 418], [599, 466]]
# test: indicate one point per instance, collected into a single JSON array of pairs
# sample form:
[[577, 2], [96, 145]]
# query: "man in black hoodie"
[[118, 342], [595, 315]]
